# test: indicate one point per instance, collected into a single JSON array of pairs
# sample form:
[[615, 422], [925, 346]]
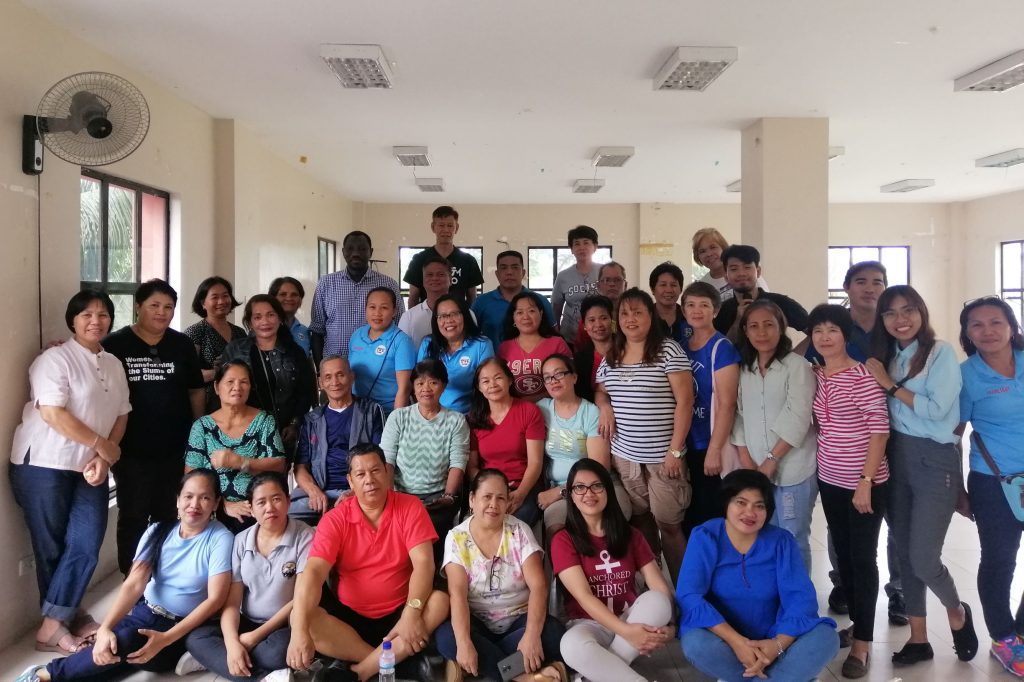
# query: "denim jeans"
[[81, 666], [999, 532], [66, 519], [206, 644], [492, 648], [299, 508], [794, 506], [803, 661]]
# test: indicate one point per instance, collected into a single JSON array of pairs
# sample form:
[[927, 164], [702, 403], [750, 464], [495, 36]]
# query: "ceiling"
[[513, 98]]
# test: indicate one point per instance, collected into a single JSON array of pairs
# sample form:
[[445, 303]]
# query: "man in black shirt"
[[742, 268], [466, 275], [165, 388]]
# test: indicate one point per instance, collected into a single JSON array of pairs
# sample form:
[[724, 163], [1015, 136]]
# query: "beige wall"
[[980, 225]]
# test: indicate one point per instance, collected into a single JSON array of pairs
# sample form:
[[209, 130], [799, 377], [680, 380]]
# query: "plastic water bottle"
[[387, 663]]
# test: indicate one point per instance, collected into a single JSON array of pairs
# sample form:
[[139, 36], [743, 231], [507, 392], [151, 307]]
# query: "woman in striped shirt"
[[645, 396], [853, 427]]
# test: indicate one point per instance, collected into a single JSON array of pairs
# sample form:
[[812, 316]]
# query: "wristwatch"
[[678, 454], [869, 479], [562, 493], [414, 603], [895, 387]]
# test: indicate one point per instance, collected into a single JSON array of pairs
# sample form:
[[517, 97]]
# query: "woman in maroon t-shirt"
[[597, 557], [506, 433]]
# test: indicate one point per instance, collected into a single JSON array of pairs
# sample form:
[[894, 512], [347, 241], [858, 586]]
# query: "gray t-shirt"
[[571, 287], [269, 581]]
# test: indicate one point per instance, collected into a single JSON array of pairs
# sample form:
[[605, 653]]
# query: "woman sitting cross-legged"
[[498, 592], [251, 641], [179, 579], [748, 607], [597, 557]]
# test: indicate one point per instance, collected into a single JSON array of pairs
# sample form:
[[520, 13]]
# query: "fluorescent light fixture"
[[430, 184], [833, 152], [734, 186], [411, 156], [358, 66], [694, 68], [1001, 160], [908, 185], [998, 76], [584, 186], [613, 157]]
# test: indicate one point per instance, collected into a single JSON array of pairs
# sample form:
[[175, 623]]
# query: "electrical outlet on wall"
[[27, 565]]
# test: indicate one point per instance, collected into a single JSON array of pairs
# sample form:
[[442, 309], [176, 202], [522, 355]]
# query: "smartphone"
[[512, 666]]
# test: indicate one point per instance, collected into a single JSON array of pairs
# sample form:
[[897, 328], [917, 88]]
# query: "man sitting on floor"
[[380, 542]]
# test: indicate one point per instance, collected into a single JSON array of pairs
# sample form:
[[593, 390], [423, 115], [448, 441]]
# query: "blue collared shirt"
[[300, 333], [339, 307], [936, 389], [374, 363], [490, 311], [994, 405]]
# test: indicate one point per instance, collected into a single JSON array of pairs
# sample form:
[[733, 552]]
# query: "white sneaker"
[[282, 675], [187, 664]]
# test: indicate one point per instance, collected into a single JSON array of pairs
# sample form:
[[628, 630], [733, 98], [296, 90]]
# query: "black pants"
[[705, 503], [855, 537], [146, 493]]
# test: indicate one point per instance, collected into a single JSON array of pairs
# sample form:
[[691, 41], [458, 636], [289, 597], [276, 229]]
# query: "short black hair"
[[583, 232], [279, 282], [830, 313], [742, 252], [666, 268], [483, 475], [367, 449], [444, 212], [510, 331], [204, 288], [262, 298], [434, 258], [382, 290], [259, 479], [81, 301], [510, 254], [354, 234], [223, 368], [596, 301], [155, 286], [1016, 335], [865, 265], [430, 367], [747, 479]]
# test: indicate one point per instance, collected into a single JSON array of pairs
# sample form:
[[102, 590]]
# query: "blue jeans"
[[804, 659], [794, 506], [299, 508], [206, 644], [999, 532], [529, 510], [492, 648], [81, 666], [66, 519]]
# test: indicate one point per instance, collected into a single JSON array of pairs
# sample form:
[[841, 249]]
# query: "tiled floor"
[[961, 556]]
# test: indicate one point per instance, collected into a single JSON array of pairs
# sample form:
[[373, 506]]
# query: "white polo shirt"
[[91, 386]]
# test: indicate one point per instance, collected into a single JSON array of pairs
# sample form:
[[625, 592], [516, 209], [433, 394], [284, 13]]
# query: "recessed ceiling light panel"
[[411, 156], [430, 184], [734, 186], [908, 185], [694, 68], [613, 157], [358, 66], [998, 76], [1001, 160], [584, 186]]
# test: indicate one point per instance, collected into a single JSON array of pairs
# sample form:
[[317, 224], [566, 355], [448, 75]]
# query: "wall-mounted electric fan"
[[89, 119]]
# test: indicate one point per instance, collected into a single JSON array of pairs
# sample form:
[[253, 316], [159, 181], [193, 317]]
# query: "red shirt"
[[526, 366], [611, 579], [504, 447], [373, 563]]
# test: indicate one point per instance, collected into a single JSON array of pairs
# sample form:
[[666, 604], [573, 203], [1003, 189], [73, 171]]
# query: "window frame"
[[547, 292], [839, 295], [404, 286], [332, 249], [1014, 296]]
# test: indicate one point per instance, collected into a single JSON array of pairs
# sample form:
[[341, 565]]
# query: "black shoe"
[[837, 601], [1019, 619], [845, 637], [913, 653], [417, 667], [965, 640], [897, 610], [332, 671]]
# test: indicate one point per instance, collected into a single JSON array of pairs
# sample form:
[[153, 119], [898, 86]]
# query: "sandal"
[[84, 626], [53, 644]]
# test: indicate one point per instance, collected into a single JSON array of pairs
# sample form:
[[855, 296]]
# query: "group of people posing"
[[457, 457]]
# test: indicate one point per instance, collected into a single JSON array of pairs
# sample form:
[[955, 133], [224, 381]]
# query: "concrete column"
[[784, 208]]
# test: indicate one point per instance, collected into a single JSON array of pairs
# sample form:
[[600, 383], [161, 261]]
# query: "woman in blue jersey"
[[456, 341], [382, 355]]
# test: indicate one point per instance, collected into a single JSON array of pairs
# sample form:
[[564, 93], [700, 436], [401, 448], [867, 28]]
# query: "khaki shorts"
[[555, 513], [650, 490]]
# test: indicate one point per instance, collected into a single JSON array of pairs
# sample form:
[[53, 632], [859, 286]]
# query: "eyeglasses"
[[443, 317], [492, 575], [580, 489], [556, 377], [905, 311]]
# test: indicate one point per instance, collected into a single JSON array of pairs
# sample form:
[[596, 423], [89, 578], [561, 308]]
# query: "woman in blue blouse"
[[382, 355], [992, 400], [748, 606], [456, 341], [922, 377]]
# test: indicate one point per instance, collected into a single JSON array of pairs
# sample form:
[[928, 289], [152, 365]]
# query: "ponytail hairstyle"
[[150, 551]]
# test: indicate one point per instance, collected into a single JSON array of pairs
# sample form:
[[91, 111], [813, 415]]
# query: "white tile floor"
[[961, 556]]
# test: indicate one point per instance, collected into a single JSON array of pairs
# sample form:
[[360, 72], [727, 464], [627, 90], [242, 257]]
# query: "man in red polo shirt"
[[380, 542]]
